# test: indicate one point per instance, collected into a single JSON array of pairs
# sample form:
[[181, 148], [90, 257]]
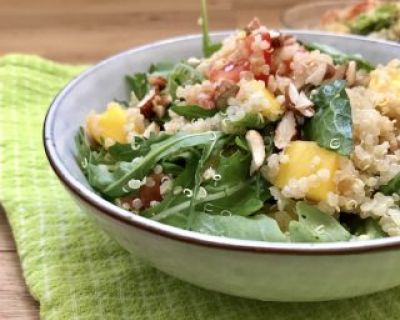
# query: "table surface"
[[85, 31]]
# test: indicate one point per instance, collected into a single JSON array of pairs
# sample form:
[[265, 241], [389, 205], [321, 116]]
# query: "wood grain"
[[85, 31]]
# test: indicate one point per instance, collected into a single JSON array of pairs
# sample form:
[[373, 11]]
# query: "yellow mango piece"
[[385, 82], [259, 99], [108, 125], [386, 78], [272, 109], [305, 158]]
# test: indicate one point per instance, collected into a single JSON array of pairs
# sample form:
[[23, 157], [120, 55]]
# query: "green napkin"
[[71, 267]]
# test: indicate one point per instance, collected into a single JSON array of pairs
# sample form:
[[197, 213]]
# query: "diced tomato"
[[231, 71], [262, 77], [267, 53], [146, 194], [359, 8]]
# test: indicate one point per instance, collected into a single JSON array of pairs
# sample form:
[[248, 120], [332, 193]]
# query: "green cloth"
[[71, 267]]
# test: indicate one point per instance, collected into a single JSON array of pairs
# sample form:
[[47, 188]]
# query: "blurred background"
[[88, 30]]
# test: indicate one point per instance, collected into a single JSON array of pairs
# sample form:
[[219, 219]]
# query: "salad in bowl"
[[264, 138], [372, 18]]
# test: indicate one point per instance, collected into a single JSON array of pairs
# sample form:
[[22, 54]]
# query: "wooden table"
[[84, 31]]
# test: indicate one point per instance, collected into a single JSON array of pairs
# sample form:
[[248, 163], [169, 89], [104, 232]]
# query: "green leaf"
[[340, 57], [240, 124], [234, 170], [241, 142], [85, 154], [372, 229], [161, 69], [214, 147], [393, 186], [208, 47], [101, 176], [185, 179], [235, 193], [331, 126], [193, 111], [185, 205], [382, 17], [138, 84], [158, 151], [83, 148], [315, 226], [259, 227], [139, 147], [182, 75]]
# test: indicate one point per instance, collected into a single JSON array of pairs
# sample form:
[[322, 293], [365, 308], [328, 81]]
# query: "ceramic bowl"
[[259, 270]]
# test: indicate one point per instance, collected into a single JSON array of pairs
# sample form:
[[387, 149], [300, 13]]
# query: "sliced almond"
[[318, 75], [285, 131], [298, 101], [257, 148], [351, 73]]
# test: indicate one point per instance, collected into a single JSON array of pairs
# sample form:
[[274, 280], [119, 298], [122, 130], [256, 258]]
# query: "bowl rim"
[[112, 211]]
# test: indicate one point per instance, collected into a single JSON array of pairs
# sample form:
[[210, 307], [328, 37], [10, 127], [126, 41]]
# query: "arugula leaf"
[[101, 176], [361, 227], [382, 17], [208, 47], [161, 69], [158, 151], [210, 197], [259, 227], [315, 226], [234, 170], [331, 126], [193, 111], [139, 147], [340, 57], [83, 148], [215, 146], [185, 179], [85, 154], [235, 193], [241, 142], [372, 229], [182, 74], [239, 125], [393, 186], [138, 84]]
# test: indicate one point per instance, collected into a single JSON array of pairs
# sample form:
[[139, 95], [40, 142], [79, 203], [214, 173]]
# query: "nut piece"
[[285, 131], [223, 91], [158, 82], [257, 148], [351, 72], [146, 104], [298, 101]]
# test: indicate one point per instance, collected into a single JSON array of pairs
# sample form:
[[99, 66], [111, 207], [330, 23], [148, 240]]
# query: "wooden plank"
[[6, 239], [17, 306], [15, 300]]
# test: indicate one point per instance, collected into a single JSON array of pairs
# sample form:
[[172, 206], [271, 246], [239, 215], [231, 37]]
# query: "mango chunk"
[[305, 158], [385, 83], [257, 98], [108, 125]]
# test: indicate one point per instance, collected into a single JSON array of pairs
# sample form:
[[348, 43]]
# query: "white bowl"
[[259, 270]]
